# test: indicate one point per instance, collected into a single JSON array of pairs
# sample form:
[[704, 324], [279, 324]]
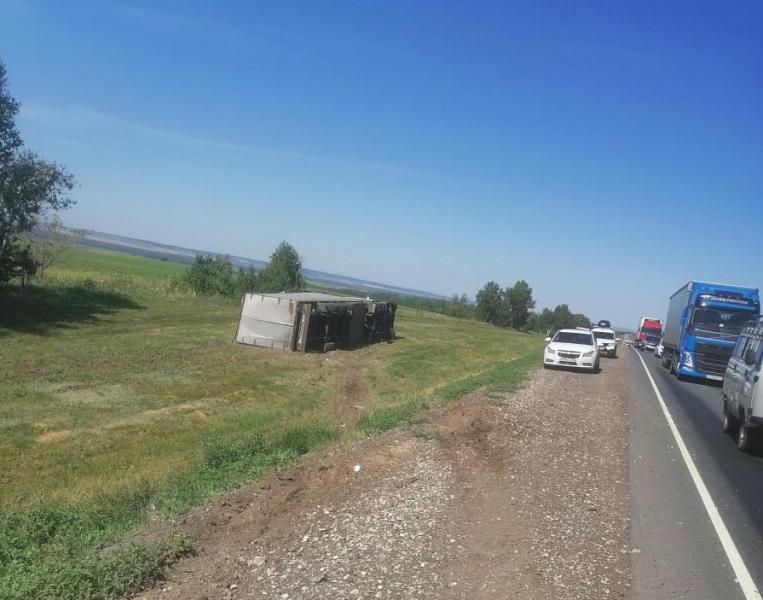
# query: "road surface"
[[678, 551]]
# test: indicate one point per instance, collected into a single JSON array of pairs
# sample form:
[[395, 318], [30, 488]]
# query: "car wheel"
[[729, 422], [743, 438]]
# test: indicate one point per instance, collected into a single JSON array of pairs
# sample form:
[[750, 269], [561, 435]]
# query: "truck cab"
[[704, 321], [648, 333], [742, 389]]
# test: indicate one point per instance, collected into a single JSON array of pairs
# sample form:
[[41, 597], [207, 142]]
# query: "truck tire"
[[665, 359], [672, 364], [743, 438]]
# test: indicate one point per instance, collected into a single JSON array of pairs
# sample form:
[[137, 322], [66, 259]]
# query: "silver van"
[[742, 390]]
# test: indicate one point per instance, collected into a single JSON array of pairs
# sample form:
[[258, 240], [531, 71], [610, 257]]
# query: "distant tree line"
[[513, 307], [216, 275], [509, 307], [559, 318]]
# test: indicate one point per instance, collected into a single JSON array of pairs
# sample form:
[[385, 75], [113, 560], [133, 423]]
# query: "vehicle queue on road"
[[714, 333]]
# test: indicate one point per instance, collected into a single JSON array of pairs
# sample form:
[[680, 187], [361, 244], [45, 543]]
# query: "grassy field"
[[121, 395]]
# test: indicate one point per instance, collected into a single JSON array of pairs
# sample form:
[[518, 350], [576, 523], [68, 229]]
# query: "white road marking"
[[749, 589]]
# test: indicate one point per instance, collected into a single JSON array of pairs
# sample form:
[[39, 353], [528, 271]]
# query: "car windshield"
[[714, 320], [603, 335], [653, 338], [571, 337]]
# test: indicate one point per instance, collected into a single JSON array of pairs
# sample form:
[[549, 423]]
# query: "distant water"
[[98, 239]]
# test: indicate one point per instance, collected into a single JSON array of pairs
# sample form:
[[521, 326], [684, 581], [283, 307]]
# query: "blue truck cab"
[[702, 326]]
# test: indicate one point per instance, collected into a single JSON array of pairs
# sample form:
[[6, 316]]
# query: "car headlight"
[[550, 351], [587, 354]]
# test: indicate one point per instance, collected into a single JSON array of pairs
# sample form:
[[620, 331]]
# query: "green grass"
[[121, 395]]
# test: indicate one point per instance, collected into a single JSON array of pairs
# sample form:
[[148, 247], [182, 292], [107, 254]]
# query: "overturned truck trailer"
[[314, 322]]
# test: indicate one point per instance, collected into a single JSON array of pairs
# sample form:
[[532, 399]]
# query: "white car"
[[574, 348], [605, 341]]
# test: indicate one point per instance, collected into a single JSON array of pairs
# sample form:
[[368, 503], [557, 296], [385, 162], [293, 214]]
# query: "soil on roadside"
[[516, 496]]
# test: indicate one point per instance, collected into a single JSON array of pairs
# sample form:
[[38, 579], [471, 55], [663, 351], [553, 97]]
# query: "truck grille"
[[712, 359]]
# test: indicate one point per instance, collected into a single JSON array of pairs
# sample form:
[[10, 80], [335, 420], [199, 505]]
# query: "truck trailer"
[[648, 333], [702, 326], [313, 321]]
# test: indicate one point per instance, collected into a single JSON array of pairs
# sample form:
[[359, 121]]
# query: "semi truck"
[[702, 326], [648, 333]]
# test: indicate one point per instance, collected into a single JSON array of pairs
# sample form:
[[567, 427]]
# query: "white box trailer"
[[313, 321]]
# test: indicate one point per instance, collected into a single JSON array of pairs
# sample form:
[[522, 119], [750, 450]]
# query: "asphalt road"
[[677, 553]]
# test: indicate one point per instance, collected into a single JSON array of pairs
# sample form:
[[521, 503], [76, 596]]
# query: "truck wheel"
[[743, 438], [672, 364], [665, 359]]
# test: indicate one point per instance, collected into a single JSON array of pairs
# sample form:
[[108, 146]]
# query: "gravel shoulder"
[[524, 495]]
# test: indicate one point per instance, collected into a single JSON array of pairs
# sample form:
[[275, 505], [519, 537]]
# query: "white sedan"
[[573, 348]]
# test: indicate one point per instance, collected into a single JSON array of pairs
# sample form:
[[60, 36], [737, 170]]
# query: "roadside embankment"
[[497, 495]]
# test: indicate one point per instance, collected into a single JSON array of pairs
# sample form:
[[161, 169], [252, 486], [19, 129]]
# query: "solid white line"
[[749, 589]]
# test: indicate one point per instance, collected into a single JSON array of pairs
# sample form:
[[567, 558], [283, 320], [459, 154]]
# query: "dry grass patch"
[[55, 437]]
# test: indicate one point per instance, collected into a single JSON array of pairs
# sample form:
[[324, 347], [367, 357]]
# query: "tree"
[[283, 272], [562, 317], [209, 275], [544, 321], [519, 301], [247, 280], [459, 306], [29, 186], [49, 241], [17, 262], [489, 300]]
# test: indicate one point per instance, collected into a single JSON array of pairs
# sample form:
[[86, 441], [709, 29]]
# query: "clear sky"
[[606, 152]]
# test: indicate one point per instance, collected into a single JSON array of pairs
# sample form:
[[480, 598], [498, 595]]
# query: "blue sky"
[[606, 152]]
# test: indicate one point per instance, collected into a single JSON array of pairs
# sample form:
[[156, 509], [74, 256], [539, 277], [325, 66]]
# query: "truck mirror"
[[749, 357]]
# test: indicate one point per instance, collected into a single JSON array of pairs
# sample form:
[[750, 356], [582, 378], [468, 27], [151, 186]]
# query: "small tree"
[[459, 306], [519, 299], [17, 262], [489, 300], [247, 280], [283, 272], [210, 275], [49, 241], [29, 186]]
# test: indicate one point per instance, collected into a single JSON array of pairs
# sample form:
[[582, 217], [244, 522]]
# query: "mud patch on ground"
[[351, 395]]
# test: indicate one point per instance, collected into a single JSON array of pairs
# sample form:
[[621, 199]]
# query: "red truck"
[[648, 334]]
